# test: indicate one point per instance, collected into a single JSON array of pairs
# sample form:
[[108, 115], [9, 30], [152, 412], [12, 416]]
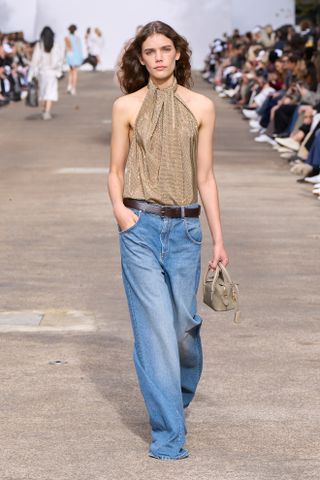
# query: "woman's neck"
[[163, 83]]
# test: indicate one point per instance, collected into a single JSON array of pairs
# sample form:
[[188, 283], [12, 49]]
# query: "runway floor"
[[70, 407]]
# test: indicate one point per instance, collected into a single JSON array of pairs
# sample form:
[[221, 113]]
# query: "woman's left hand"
[[219, 255]]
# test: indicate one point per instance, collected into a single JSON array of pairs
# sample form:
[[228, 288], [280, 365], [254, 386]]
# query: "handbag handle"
[[226, 276], [215, 273]]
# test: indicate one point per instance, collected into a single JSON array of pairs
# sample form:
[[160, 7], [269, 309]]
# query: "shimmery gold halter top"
[[161, 164]]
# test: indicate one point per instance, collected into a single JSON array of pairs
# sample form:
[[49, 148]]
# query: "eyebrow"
[[150, 48]]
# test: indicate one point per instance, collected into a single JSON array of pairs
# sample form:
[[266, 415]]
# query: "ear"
[[140, 60], [178, 55]]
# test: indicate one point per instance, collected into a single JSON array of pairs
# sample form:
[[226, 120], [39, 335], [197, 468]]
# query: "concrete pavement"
[[70, 407]]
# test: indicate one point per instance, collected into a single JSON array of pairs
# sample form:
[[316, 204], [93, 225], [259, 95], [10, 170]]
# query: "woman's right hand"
[[125, 217]]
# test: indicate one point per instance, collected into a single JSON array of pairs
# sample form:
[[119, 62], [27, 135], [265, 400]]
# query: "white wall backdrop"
[[250, 13], [199, 21]]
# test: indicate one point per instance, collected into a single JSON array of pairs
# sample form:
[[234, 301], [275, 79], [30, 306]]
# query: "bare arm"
[[119, 153], [207, 184]]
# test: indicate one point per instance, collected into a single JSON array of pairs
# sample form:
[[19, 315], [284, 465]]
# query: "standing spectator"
[[46, 65], [74, 57]]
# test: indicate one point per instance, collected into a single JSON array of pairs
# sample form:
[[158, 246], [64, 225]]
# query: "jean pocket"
[[193, 229], [133, 227]]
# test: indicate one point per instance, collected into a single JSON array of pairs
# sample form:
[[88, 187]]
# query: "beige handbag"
[[219, 292]]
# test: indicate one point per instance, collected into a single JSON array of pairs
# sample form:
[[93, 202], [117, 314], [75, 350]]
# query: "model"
[[161, 156], [46, 65], [74, 58]]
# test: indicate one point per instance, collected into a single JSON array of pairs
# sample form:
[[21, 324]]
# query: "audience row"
[[273, 78]]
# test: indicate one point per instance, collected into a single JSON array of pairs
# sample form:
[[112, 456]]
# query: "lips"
[[160, 68]]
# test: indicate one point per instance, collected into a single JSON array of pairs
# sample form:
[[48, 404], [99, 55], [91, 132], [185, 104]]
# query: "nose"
[[158, 56]]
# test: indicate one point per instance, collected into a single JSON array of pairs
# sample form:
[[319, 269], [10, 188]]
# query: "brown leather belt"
[[162, 210]]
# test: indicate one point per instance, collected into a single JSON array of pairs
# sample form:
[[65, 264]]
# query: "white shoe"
[[317, 185], [316, 191], [254, 123], [255, 130], [222, 95], [265, 138], [314, 179], [250, 114], [288, 143], [69, 89], [46, 116], [230, 93], [73, 91], [218, 88]]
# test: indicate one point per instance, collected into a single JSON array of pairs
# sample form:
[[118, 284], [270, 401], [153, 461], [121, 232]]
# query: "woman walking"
[[74, 58], [161, 156], [46, 65]]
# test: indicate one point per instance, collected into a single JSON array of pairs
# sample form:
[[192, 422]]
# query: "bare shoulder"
[[129, 104], [200, 105]]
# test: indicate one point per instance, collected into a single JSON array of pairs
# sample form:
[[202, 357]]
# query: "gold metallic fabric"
[[161, 164]]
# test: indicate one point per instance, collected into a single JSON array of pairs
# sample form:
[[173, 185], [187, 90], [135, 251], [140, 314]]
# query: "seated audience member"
[[273, 77]]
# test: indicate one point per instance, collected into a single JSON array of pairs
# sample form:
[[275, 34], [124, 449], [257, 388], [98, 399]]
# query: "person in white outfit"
[[95, 44], [46, 66]]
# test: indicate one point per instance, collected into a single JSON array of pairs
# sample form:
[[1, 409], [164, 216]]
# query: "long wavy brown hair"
[[132, 75]]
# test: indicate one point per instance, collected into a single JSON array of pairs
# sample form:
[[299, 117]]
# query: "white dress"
[[47, 67]]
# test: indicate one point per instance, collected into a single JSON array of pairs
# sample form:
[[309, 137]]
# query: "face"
[[278, 65], [159, 56]]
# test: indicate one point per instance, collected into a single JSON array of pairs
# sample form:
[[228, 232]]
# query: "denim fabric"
[[160, 259], [314, 154], [265, 110]]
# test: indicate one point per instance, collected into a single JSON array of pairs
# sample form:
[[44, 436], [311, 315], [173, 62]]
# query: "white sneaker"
[[250, 114], [46, 116], [257, 130], [69, 89], [316, 191], [265, 138], [314, 179], [254, 123], [218, 88], [317, 185], [231, 92], [288, 143]]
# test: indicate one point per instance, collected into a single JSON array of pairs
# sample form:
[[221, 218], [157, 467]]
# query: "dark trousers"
[[310, 141], [266, 107], [283, 117], [314, 154]]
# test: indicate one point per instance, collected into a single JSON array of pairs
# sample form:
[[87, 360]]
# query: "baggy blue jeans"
[[160, 259]]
